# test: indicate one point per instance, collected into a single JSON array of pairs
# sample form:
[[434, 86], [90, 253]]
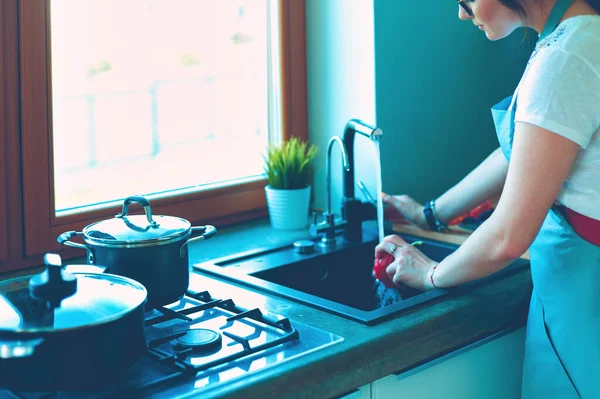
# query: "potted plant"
[[288, 168]]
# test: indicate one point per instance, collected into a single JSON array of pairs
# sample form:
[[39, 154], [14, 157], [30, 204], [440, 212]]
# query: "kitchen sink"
[[337, 280]]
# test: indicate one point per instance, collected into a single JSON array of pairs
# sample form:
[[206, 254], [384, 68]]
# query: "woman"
[[547, 171]]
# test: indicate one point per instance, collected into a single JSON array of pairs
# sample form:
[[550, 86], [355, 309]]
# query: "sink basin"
[[338, 280]]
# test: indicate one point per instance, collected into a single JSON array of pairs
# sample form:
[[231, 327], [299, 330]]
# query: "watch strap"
[[431, 216]]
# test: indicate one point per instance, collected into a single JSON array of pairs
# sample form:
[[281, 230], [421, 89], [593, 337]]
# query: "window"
[[160, 96], [175, 102]]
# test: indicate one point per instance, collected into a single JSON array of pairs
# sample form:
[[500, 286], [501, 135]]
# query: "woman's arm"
[[540, 163], [484, 182]]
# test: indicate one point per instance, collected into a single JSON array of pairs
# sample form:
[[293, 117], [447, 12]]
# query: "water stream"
[[377, 158]]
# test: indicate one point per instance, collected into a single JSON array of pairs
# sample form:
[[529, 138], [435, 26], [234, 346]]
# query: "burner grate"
[[179, 358], [286, 331]]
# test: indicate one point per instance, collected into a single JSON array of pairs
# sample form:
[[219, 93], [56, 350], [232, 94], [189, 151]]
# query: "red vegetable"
[[481, 208], [458, 220], [474, 213], [379, 270]]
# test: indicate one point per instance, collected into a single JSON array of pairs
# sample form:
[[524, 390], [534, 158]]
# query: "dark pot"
[[61, 330], [151, 250]]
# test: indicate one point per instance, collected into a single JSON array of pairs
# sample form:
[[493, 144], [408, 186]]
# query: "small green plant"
[[289, 165]]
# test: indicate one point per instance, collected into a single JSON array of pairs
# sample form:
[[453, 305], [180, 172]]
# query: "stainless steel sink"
[[336, 280]]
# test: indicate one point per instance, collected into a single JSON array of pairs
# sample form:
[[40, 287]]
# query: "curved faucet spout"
[[334, 139], [355, 211], [358, 126], [354, 126]]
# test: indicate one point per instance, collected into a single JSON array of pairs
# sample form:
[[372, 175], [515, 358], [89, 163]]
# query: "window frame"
[[3, 197], [40, 225], [3, 151], [11, 228]]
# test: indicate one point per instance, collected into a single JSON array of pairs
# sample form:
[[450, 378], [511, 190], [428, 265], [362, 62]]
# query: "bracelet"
[[431, 276], [431, 216]]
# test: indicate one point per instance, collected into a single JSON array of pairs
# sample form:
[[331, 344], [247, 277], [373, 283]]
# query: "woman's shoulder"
[[577, 36]]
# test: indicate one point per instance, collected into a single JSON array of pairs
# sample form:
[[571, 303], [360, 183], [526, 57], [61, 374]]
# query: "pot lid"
[[136, 229], [97, 299]]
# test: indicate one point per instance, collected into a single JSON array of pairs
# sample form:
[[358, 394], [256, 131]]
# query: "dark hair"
[[517, 7], [595, 4]]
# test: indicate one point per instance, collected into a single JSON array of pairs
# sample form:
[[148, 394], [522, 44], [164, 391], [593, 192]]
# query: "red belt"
[[587, 227]]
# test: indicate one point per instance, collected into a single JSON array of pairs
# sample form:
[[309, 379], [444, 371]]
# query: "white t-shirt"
[[560, 92]]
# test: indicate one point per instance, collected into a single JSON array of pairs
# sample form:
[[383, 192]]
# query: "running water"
[[383, 295], [377, 158]]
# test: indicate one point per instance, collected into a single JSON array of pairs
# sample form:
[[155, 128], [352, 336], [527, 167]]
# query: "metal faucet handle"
[[325, 216], [327, 226], [315, 216], [317, 226]]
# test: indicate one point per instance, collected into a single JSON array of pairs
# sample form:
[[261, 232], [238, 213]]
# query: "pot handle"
[[18, 348], [65, 237], [207, 232], [144, 203]]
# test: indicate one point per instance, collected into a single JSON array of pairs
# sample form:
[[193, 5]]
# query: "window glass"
[[159, 96]]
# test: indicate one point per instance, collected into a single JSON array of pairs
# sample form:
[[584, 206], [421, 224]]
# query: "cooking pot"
[[150, 249], [62, 330]]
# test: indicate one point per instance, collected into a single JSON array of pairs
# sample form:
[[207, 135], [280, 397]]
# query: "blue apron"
[[562, 345]]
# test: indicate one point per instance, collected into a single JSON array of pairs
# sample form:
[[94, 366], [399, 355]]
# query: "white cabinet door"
[[491, 370]]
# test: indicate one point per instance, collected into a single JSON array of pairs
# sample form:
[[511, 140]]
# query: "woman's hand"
[[403, 209], [409, 267]]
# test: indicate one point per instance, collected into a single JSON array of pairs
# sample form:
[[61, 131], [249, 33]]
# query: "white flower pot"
[[288, 209]]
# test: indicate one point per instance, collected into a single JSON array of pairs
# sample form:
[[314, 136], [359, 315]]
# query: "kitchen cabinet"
[[489, 369]]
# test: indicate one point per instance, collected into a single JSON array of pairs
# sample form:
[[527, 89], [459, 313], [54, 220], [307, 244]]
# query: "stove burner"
[[201, 339]]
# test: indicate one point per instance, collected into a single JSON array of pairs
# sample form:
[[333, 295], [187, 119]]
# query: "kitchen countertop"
[[367, 353]]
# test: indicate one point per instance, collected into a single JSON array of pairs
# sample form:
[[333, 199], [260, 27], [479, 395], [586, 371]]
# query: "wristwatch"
[[431, 216]]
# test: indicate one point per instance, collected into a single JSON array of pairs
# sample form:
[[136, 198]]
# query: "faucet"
[[328, 225], [354, 211]]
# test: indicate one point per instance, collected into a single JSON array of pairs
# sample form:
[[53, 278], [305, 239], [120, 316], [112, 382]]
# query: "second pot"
[[150, 249], [63, 330]]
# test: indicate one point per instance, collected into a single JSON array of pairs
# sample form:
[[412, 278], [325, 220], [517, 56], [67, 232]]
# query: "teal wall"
[[341, 85], [436, 79], [423, 76]]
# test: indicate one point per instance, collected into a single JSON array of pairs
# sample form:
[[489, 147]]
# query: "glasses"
[[465, 7]]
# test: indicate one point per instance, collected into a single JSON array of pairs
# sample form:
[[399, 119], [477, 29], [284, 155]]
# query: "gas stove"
[[200, 343]]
